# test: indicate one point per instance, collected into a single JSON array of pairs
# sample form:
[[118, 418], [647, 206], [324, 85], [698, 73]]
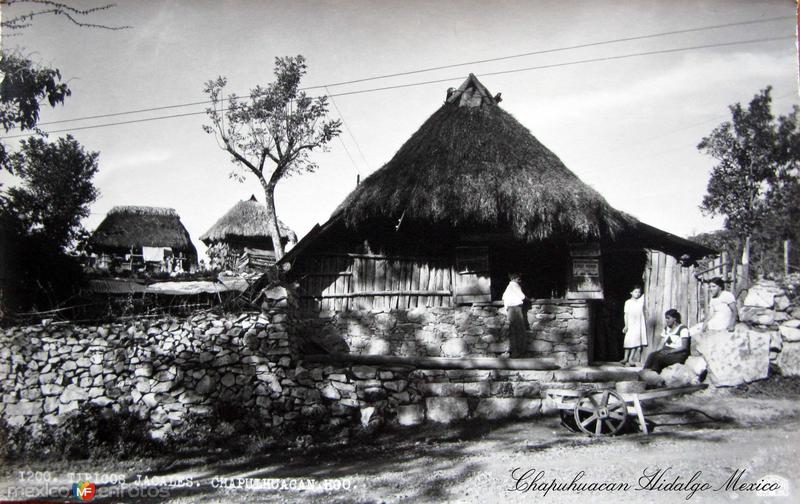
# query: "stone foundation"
[[557, 329]]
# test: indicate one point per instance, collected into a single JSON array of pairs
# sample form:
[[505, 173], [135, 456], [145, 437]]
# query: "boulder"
[[762, 295], [788, 333], [782, 302], [679, 375], [697, 365], [446, 409], [789, 358], [410, 414], [735, 357], [455, 348]]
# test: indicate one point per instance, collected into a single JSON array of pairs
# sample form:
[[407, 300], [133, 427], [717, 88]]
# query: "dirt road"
[[477, 462]]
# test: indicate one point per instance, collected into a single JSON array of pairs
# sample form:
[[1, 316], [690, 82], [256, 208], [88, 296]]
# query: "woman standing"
[[635, 329]]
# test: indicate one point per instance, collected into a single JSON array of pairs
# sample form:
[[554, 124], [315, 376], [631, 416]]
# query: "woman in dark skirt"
[[675, 344]]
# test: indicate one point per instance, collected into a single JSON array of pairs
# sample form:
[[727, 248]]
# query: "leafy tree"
[[24, 88], [272, 133], [754, 152], [56, 188]]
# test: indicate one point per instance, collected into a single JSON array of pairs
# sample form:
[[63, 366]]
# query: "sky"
[[628, 127]]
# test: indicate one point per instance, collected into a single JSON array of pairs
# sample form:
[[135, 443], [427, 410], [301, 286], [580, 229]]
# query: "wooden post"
[[786, 248]]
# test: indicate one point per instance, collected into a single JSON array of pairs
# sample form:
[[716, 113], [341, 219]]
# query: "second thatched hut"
[[240, 238]]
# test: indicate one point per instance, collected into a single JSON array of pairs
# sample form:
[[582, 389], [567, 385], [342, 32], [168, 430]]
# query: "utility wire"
[[441, 67], [436, 81], [348, 130]]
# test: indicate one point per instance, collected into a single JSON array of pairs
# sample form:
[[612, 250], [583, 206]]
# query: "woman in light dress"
[[635, 329]]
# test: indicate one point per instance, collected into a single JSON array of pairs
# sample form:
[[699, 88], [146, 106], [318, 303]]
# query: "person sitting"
[[721, 309], [675, 343]]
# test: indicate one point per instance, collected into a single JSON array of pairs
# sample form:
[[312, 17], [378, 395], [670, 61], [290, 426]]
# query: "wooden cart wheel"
[[600, 412]]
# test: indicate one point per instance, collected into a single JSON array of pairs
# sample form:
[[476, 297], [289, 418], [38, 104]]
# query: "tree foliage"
[[56, 189], [272, 133], [755, 183]]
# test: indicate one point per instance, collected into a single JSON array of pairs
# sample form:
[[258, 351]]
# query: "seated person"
[[675, 344], [722, 308]]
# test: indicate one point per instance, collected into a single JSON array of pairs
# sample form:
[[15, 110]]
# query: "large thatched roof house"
[[134, 228], [245, 225], [469, 198]]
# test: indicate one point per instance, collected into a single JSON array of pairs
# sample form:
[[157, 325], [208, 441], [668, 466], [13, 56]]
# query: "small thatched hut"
[[132, 231], [243, 229], [471, 197]]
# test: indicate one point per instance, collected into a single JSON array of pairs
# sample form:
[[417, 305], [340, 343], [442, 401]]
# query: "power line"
[[442, 67], [450, 79], [348, 130], [567, 48]]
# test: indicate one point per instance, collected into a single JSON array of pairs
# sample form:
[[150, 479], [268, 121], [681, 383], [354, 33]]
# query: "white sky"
[[629, 128]]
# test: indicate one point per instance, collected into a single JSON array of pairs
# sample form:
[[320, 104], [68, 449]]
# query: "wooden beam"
[[541, 364], [381, 293]]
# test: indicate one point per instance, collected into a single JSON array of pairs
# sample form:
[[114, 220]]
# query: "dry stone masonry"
[[557, 329]]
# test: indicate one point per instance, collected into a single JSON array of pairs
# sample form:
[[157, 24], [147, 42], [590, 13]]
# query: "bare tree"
[[272, 133]]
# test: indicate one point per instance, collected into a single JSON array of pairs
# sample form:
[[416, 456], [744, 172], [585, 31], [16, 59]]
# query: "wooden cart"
[[604, 412]]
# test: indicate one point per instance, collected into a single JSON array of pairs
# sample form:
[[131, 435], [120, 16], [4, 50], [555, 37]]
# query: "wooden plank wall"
[[342, 282], [668, 284]]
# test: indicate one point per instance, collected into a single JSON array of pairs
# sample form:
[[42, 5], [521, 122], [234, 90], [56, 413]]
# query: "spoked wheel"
[[600, 412]]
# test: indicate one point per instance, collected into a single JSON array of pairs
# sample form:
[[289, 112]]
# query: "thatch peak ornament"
[[471, 94]]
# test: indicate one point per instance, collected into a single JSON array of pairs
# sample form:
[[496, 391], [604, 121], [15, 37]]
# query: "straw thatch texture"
[[473, 164], [138, 226], [246, 222]]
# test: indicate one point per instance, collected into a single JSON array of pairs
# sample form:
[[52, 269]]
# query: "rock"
[[366, 415], [760, 296], [410, 414], [794, 323], [782, 302], [50, 389], [497, 407], [72, 393], [205, 385], [364, 372], [446, 409], [752, 313], [455, 348], [145, 370], [697, 365], [330, 392], [788, 333], [734, 358], [63, 409], [651, 378], [679, 375], [378, 346], [789, 358], [102, 401], [150, 400]]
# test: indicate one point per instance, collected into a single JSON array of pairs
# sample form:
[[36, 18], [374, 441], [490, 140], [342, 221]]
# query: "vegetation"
[[755, 184], [272, 133]]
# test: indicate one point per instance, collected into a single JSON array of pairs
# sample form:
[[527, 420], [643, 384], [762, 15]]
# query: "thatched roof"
[[246, 221], [139, 226], [471, 163]]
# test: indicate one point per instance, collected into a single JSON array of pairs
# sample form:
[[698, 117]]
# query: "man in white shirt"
[[513, 298]]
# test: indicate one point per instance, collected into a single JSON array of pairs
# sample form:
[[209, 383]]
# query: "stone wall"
[[769, 308], [557, 329], [170, 373]]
